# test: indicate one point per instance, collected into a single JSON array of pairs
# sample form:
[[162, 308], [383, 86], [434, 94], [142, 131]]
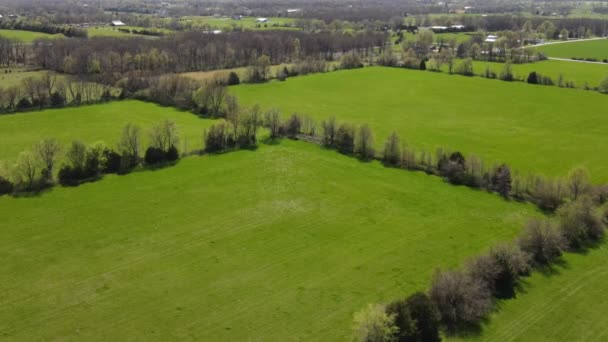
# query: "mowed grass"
[[27, 36], [567, 306], [533, 128], [248, 23], [579, 73], [103, 122], [597, 49], [282, 243]]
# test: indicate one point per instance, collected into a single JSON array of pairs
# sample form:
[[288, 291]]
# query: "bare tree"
[[391, 149], [329, 131], [461, 299], [129, 144], [542, 241], [46, 151], [578, 181], [27, 168], [364, 144], [272, 120], [233, 113], [164, 135]]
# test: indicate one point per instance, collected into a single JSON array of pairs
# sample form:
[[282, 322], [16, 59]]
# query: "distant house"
[[261, 20], [439, 28], [457, 27], [1, 17], [237, 17], [12, 16], [117, 23], [293, 10], [491, 39]]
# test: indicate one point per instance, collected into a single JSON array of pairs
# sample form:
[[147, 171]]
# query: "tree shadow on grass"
[[270, 141], [32, 193]]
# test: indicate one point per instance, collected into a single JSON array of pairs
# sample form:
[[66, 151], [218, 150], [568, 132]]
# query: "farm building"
[[491, 39], [117, 23]]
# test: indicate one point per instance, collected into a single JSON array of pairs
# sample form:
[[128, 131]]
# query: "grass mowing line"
[[536, 313], [572, 294], [286, 240]]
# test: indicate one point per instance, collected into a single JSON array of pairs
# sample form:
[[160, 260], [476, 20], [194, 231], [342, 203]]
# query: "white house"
[[261, 20], [457, 27], [117, 23], [439, 28], [491, 39], [293, 10]]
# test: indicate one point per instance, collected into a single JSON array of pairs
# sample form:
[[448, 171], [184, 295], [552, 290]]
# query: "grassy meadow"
[[14, 76], [579, 73], [93, 123], [111, 31], [567, 304], [27, 36], [534, 128], [246, 23], [282, 243], [597, 49]]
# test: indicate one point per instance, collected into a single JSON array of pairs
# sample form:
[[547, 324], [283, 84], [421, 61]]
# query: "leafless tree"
[[27, 168], [272, 120], [130, 143], [164, 135], [364, 144], [46, 151]]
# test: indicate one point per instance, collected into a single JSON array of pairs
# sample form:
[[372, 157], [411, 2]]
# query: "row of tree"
[[36, 169], [192, 51], [49, 90], [459, 300]]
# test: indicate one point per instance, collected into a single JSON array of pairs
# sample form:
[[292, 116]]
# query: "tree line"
[[51, 91], [68, 31], [112, 58], [36, 169], [457, 301]]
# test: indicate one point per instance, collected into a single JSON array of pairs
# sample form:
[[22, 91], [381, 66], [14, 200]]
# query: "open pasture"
[[540, 129], [14, 76], [26, 36], [282, 243], [579, 73], [245, 23], [103, 122], [597, 49]]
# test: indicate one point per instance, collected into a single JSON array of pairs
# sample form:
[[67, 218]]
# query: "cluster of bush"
[[459, 300], [35, 170]]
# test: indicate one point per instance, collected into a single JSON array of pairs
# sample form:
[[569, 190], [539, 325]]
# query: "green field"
[[14, 76], [93, 123], [228, 24], [534, 128], [110, 31], [597, 49], [27, 36], [580, 73], [568, 306], [282, 243]]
